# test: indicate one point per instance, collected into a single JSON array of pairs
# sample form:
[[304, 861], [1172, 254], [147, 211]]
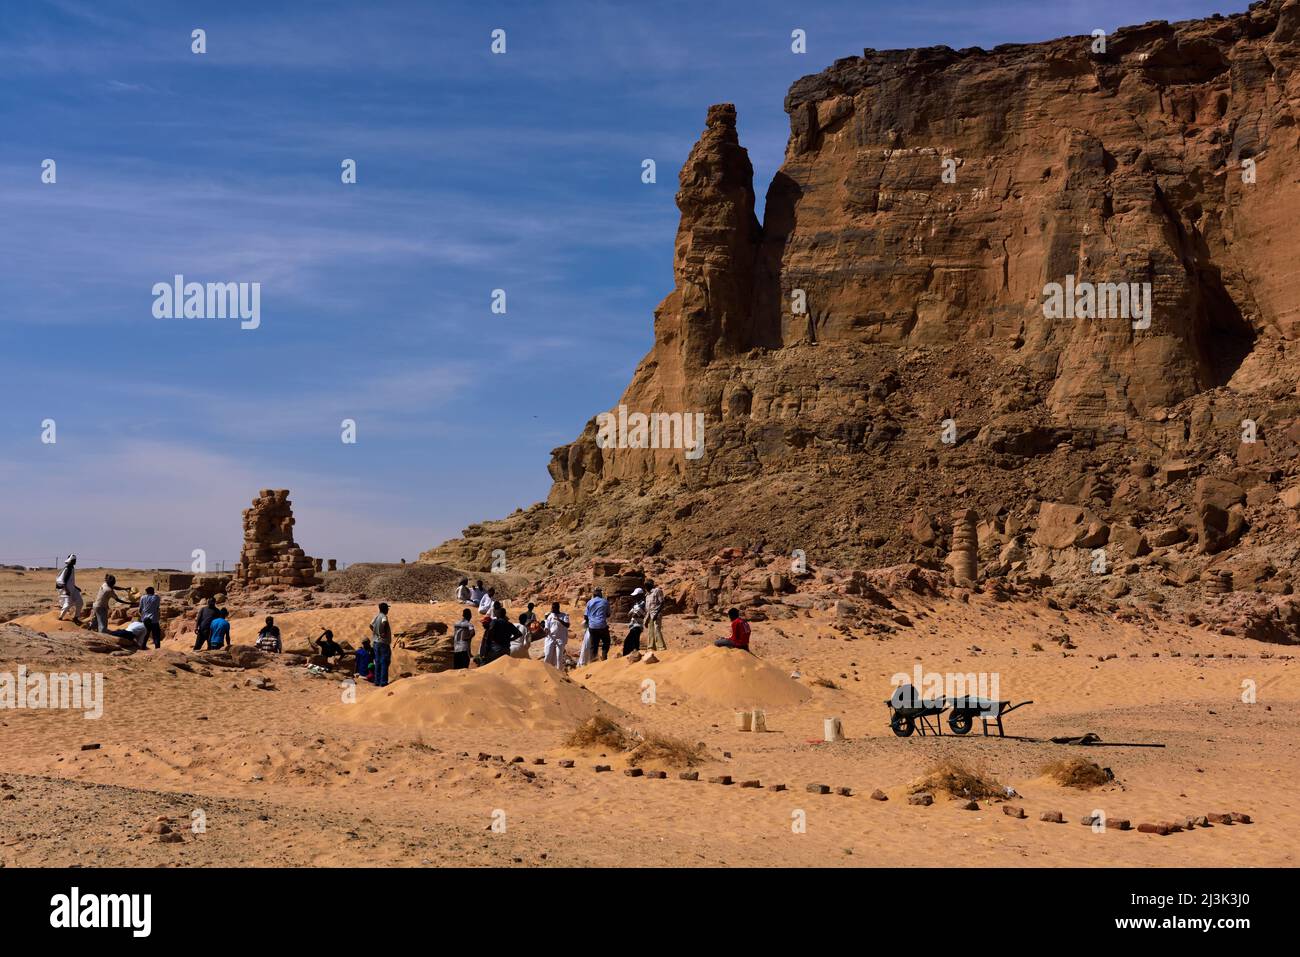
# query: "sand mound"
[[509, 693], [720, 676], [49, 622], [414, 581]]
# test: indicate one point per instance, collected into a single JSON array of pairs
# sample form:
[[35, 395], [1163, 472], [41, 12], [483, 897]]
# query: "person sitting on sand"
[[498, 636], [463, 592], [461, 634], [739, 632], [66, 588], [203, 624], [636, 622], [477, 592], [268, 639], [219, 631], [365, 658], [557, 636], [487, 602], [107, 593], [328, 648]]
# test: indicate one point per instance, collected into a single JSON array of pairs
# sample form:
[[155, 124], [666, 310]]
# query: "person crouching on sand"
[[556, 627], [739, 637], [328, 648], [365, 658]]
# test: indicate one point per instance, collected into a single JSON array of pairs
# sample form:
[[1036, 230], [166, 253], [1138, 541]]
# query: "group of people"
[[146, 625], [504, 637], [501, 636]]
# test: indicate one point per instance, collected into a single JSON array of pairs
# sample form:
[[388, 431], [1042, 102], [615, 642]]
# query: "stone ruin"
[[963, 556], [270, 556]]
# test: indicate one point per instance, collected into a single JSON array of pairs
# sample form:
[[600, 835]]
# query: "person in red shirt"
[[739, 632]]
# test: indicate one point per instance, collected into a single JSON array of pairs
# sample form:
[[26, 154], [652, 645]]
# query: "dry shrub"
[[959, 780], [825, 683], [665, 749], [1076, 773], [599, 731]]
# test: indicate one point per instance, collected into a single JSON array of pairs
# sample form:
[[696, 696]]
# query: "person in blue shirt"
[[365, 655], [598, 623], [219, 633]]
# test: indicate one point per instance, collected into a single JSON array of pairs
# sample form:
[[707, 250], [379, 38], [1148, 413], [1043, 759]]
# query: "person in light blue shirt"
[[598, 623]]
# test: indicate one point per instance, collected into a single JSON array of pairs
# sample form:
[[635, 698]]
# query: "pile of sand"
[[396, 582], [509, 693], [720, 676]]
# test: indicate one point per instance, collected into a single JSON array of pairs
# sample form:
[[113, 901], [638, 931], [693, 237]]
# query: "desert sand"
[[418, 772]]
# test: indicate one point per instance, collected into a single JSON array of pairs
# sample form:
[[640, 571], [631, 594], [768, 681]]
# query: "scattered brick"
[[818, 789], [688, 776], [879, 795], [921, 800], [1052, 817], [1012, 811]]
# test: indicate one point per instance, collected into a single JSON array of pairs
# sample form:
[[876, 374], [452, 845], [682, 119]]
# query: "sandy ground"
[[317, 772]]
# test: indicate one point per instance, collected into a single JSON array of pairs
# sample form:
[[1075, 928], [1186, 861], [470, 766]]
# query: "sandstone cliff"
[[876, 354]]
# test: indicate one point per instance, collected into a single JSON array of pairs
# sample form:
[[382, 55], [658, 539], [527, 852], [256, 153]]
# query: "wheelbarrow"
[[966, 710], [908, 712]]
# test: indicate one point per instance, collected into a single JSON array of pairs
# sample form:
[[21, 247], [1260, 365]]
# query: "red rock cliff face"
[[924, 293]]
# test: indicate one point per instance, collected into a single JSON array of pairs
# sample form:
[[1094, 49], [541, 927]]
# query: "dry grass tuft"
[[599, 732], [959, 780], [667, 750], [1076, 773]]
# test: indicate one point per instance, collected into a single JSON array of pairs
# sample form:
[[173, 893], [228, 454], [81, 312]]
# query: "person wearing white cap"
[[636, 622], [69, 593]]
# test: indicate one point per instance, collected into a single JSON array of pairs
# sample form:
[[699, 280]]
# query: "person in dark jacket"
[[203, 628], [497, 636]]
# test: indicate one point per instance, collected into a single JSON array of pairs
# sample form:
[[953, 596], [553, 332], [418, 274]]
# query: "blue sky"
[[475, 172]]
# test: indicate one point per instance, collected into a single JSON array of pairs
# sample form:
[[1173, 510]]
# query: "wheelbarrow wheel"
[[960, 722], [903, 725]]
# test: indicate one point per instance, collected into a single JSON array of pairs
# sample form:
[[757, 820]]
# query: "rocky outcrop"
[[880, 346]]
